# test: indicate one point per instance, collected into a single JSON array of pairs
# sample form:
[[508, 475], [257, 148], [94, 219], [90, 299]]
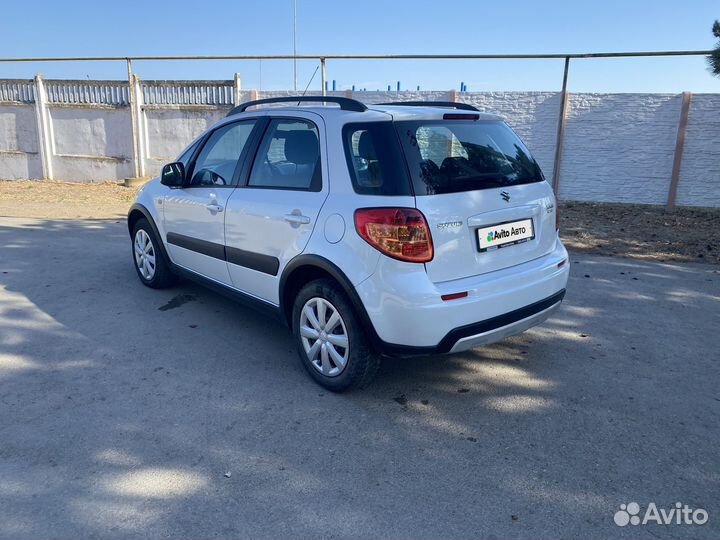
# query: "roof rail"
[[450, 104], [346, 104]]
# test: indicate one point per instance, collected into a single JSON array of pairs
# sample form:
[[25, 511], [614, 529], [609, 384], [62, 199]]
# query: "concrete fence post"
[[44, 128], [140, 128], [679, 148], [236, 89], [133, 120]]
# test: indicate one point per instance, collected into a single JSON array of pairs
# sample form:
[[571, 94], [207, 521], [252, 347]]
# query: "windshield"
[[454, 156]]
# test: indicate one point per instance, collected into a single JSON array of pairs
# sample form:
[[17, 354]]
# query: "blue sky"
[[81, 28]]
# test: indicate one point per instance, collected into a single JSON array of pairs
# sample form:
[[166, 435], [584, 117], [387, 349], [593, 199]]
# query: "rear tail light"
[[400, 233], [557, 217]]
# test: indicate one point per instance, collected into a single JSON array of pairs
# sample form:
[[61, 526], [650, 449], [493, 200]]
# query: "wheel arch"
[[138, 211], [305, 268]]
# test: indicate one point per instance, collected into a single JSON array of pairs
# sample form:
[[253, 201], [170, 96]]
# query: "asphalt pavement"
[[132, 413]]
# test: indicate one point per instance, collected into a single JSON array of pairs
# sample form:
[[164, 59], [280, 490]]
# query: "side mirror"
[[173, 175]]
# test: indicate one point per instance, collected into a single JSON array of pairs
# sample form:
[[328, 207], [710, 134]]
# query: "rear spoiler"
[[449, 104]]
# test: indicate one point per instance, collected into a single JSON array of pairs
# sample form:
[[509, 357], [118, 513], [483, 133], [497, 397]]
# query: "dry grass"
[[636, 231]]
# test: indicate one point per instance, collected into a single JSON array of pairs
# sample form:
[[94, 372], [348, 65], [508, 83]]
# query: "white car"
[[396, 229]]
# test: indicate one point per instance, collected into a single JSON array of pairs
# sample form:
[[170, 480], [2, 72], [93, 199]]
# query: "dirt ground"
[[64, 200], [635, 231], [642, 231]]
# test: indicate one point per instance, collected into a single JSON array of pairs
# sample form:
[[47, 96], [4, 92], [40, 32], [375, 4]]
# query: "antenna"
[[295, 45], [309, 83]]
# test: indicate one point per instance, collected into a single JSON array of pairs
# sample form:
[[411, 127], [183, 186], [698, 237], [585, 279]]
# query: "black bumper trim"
[[452, 337]]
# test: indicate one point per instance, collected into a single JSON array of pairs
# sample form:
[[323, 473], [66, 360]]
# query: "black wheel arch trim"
[[338, 275], [137, 207]]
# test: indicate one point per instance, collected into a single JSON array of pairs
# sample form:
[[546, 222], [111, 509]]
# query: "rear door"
[[270, 219], [482, 193], [194, 216]]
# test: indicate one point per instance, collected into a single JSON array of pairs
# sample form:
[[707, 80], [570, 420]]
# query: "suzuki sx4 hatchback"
[[398, 229]]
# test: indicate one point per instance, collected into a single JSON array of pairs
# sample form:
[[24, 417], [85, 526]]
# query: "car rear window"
[[375, 160], [453, 156]]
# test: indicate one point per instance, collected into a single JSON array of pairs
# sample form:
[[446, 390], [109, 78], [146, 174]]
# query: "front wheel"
[[151, 266], [331, 343]]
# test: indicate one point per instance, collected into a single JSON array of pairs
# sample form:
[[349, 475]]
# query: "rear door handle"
[[214, 207], [296, 219]]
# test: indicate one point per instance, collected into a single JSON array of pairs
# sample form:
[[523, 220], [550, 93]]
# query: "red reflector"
[[454, 296], [460, 116], [400, 233]]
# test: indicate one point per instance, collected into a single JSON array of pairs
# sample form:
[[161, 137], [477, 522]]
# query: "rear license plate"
[[505, 234]]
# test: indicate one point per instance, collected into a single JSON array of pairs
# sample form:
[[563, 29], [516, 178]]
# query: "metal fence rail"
[[364, 56]]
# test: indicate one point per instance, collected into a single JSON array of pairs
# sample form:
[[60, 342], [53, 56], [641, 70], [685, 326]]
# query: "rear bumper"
[[409, 317], [498, 328]]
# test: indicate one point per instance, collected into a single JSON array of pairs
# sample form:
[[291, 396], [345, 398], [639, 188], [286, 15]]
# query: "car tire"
[[151, 263], [334, 351]]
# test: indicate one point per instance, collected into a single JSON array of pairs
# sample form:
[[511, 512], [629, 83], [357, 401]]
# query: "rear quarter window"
[[374, 159]]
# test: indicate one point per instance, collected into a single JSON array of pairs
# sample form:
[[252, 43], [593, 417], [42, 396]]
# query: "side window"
[[216, 163], [184, 158], [289, 157], [374, 159]]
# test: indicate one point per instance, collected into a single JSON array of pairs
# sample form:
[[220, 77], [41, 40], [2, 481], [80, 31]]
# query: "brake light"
[[557, 216], [400, 233], [460, 116]]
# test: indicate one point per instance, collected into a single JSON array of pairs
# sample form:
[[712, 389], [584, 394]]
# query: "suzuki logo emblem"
[[505, 195]]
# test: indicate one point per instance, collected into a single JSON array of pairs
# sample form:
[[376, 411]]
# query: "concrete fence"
[[633, 148]]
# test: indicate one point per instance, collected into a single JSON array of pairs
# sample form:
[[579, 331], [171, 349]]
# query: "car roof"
[[374, 113]]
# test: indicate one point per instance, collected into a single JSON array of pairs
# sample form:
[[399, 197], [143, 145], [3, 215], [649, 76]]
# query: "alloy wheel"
[[144, 254], [324, 336]]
